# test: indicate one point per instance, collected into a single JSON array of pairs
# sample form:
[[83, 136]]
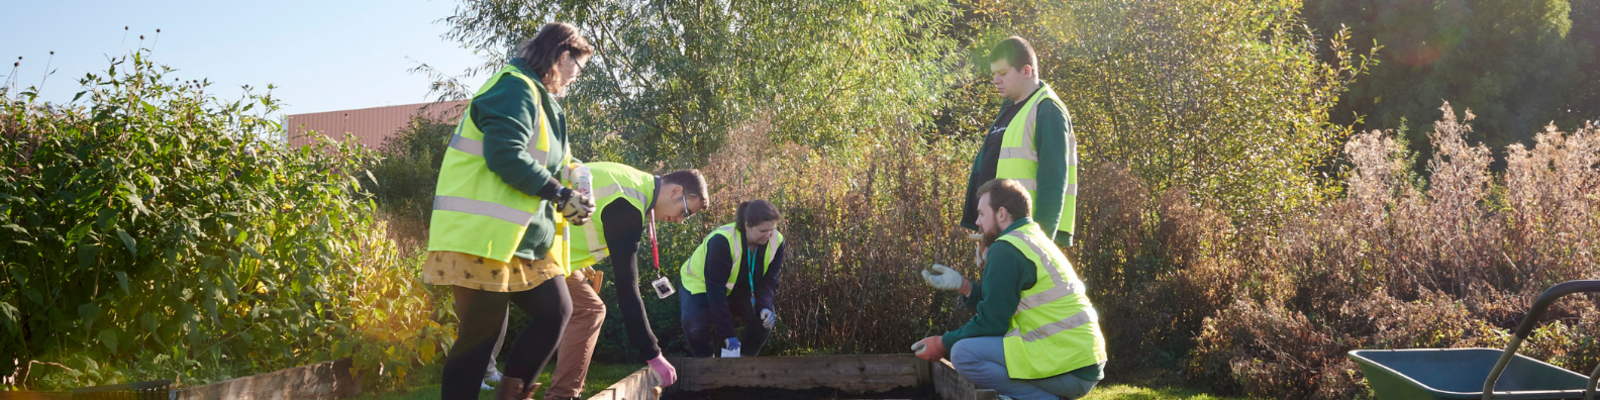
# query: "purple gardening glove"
[[664, 369]]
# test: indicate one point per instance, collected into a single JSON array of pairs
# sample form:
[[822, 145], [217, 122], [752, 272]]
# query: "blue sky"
[[322, 55]]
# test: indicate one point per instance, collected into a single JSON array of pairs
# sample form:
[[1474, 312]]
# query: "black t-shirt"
[[989, 155]]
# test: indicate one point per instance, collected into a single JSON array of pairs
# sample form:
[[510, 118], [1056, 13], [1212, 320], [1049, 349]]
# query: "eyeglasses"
[[686, 212]]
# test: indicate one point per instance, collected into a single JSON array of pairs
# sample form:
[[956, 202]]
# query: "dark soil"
[[757, 393]]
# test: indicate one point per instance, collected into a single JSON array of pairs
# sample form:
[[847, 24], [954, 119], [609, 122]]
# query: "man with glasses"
[[627, 201]]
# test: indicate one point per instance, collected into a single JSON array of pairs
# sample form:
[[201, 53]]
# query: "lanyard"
[[752, 258], [655, 250]]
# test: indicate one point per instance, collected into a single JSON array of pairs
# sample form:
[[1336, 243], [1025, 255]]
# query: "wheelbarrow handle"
[[1528, 321]]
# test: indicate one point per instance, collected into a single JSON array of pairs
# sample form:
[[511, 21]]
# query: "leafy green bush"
[[154, 232]]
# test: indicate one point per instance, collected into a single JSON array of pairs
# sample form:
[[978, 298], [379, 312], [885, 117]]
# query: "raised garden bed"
[[801, 378]]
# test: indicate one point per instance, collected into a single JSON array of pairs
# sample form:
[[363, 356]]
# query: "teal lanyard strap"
[[752, 259]]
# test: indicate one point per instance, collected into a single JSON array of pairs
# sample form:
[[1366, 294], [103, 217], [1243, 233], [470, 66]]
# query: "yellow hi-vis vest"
[[474, 212], [693, 272], [1019, 157], [1055, 329], [612, 182]]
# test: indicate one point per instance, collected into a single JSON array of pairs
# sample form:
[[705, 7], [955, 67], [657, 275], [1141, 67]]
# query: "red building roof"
[[372, 127]]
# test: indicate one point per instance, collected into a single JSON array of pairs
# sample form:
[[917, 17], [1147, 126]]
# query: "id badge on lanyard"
[[662, 285]]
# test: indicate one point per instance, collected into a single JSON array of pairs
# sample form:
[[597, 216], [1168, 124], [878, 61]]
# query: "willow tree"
[[671, 78]]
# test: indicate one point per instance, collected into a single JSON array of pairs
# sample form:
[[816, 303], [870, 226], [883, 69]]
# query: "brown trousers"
[[577, 341]]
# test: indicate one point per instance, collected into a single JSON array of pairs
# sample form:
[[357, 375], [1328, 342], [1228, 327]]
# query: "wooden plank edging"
[[640, 385], [863, 374], [321, 381]]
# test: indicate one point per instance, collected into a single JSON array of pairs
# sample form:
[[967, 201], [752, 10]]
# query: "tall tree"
[[672, 77], [1517, 64]]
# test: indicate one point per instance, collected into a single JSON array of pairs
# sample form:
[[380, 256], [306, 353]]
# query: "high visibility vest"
[[1055, 330], [612, 182], [693, 272], [474, 212], [1019, 157]]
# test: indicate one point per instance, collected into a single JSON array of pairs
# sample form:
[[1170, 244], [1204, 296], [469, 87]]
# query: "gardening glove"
[[768, 319], [732, 349], [929, 349], [664, 369], [943, 278], [574, 206]]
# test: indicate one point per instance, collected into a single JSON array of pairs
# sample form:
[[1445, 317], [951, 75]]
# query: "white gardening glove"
[[768, 319], [943, 278], [574, 206]]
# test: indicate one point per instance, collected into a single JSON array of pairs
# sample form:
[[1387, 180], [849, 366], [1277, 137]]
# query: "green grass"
[[426, 383], [1133, 392]]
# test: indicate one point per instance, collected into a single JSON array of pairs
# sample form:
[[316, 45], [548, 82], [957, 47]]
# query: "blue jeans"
[[982, 360], [701, 331]]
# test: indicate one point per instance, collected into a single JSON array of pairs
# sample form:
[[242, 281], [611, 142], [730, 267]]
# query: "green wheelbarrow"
[[1471, 373]]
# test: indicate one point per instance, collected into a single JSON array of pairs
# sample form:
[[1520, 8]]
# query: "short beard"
[[990, 237]]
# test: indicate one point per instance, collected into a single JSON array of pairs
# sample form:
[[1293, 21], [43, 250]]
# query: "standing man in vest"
[[627, 200], [733, 274], [1036, 337], [1031, 141]]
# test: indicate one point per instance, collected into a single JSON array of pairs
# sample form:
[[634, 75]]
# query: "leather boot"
[[514, 389]]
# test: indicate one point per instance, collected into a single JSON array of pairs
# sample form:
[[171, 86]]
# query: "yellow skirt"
[[487, 274]]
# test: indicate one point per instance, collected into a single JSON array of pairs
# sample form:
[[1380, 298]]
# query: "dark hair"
[[754, 212], [1017, 52], [542, 52], [693, 183], [1008, 194]]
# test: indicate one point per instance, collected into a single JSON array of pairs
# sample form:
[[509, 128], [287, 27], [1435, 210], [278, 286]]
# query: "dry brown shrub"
[[1450, 260], [861, 226]]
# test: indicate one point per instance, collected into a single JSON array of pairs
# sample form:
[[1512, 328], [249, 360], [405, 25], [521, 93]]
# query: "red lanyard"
[[655, 251]]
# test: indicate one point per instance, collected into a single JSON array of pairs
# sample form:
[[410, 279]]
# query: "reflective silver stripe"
[[1046, 297], [467, 145], [1019, 152], [1030, 184], [484, 208], [1050, 329], [591, 235], [475, 147], [538, 155], [1033, 117], [1047, 260], [1072, 189], [608, 190]]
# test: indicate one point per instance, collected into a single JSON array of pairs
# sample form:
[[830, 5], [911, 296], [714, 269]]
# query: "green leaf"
[[12, 317], [127, 240], [86, 254], [88, 312], [148, 322], [108, 337], [122, 280]]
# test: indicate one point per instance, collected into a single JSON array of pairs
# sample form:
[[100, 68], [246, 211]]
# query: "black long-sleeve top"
[[719, 264], [624, 226]]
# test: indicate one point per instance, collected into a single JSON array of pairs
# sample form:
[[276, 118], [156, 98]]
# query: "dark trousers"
[[482, 317], [701, 331]]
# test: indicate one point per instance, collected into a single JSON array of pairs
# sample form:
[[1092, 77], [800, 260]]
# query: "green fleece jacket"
[[1007, 273], [509, 121]]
